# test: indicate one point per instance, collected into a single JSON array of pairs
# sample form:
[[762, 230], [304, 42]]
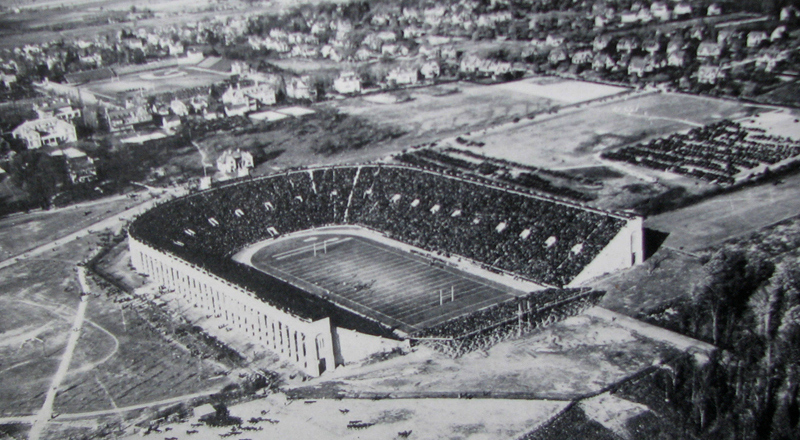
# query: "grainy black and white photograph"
[[400, 219]]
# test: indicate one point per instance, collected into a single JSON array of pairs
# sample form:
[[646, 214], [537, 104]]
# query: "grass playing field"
[[387, 284]]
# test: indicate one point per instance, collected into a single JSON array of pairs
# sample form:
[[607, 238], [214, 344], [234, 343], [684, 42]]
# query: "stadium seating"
[[536, 238], [716, 152]]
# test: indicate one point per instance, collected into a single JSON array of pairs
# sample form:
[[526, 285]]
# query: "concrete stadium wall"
[[357, 346], [308, 345], [625, 250]]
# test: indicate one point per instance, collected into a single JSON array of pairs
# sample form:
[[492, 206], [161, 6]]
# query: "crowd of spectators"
[[543, 240], [717, 152], [484, 328]]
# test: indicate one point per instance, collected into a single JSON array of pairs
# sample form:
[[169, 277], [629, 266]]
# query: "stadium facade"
[[187, 245]]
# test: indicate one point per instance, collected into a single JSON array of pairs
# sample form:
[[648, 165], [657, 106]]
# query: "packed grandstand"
[[544, 240]]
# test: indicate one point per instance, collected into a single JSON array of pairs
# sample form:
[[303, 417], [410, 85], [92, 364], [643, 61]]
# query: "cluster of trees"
[[749, 307]]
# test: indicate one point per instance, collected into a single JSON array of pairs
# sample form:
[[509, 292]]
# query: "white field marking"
[[663, 118], [44, 414], [303, 249], [310, 239]]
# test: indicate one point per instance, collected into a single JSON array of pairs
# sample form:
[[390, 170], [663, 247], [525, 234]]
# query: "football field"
[[393, 286]]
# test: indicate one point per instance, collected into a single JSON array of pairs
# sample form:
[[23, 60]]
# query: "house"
[[45, 132], [637, 66], [298, 88], [769, 59], [63, 111], [675, 44], [602, 61], [651, 46], [80, 168], [236, 162], [232, 110], [600, 42], [402, 76], [709, 74], [644, 15], [178, 108], [430, 70], [582, 57], [557, 55], [170, 123], [7, 79], [627, 44], [682, 10], [629, 17], [709, 49], [660, 10], [677, 58], [777, 34], [789, 12], [714, 9], [125, 119], [554, 40], [755, 38], [347, 82]]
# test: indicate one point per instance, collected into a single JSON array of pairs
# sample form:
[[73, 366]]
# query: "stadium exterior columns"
[[307, 344]]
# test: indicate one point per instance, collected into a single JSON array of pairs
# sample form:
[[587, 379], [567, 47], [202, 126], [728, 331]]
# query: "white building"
[[298, 88], [236, 162], [45, 132], [347, 82], [402, 76]]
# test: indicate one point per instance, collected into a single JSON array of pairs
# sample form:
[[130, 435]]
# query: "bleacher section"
[[717, 152]]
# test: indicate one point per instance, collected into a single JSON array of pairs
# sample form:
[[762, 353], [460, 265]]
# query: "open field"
[[710, 222], [387, 284], [568, 360], [156, 81], [596, 128], [449, 109], [20, 232], [429, 419]]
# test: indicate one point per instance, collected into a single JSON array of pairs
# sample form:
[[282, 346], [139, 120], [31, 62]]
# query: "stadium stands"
[[187, 244], [561, 238], [717, 152]]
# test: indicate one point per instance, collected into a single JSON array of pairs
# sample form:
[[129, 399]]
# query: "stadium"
[[326, 266]]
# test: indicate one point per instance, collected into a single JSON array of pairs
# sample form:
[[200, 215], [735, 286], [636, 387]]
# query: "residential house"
[[402, 76], [627, 44], [755, 38], [778, 34], [178, 108], [709, 74], [600, 42], [651, 46], [298, 88], [769, 59], [638, 66], [430, 70], [63, 111], [677, 58], [582, 57], [714, 9], [125, 119], [676, 43], [709, 49], [79, 167], [554, 40], [347, 82], [602, 61], [557, 55], [170, 123], [682, 10], [235, 162], [45, 132], [660, 10], [7, 79]]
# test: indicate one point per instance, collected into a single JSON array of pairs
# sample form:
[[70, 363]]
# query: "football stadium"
[[326, 266]]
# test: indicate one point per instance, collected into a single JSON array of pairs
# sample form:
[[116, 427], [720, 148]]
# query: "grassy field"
[[702, 225], [151, 81], [446, 110], [383, 282], [542, 142]]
